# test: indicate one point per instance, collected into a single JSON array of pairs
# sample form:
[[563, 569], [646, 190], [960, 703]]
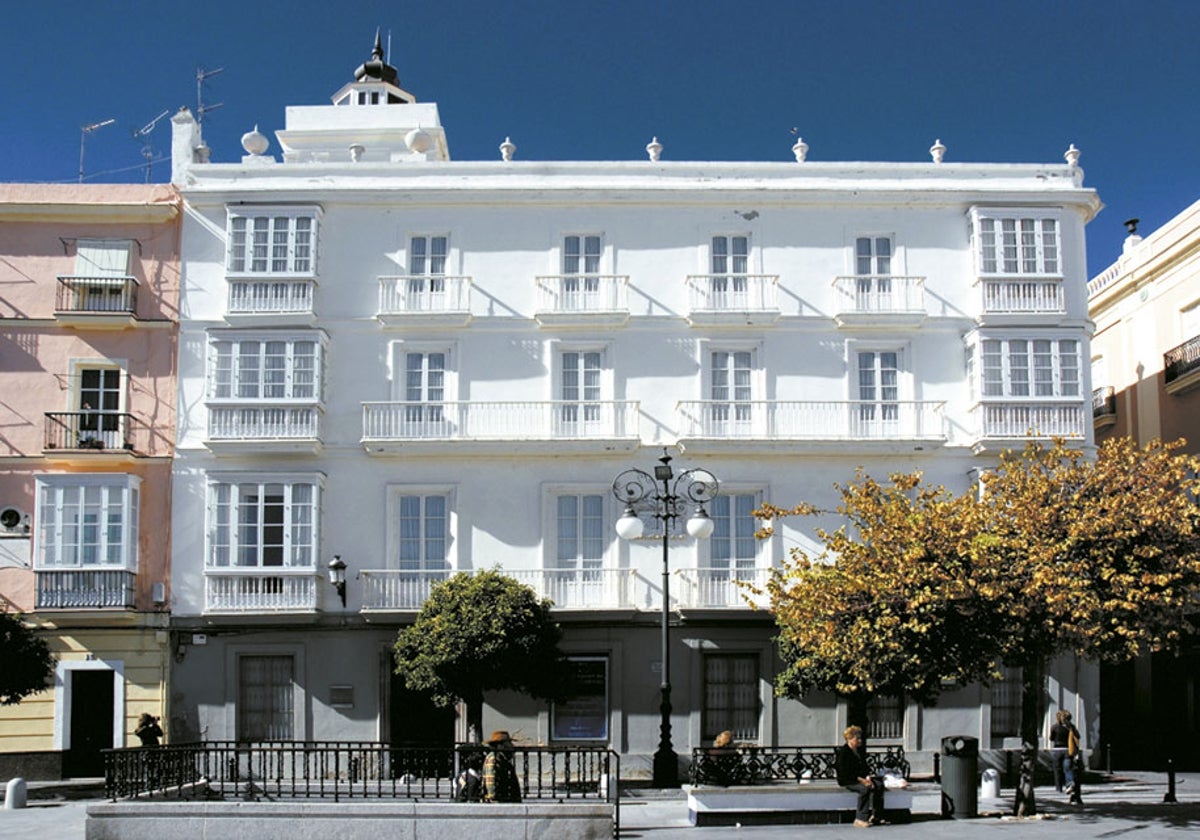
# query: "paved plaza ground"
[[1125, 804]]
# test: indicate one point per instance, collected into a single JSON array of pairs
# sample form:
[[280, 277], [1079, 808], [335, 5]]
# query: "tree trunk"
[[856, 712], [1025, 804]]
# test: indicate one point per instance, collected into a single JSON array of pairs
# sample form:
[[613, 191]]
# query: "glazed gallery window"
[[731, 696], [264, 369], [1018, 246], [1021, 367], [263, 524], [266, 698], [272, 241], [584, 717], [87, 521]]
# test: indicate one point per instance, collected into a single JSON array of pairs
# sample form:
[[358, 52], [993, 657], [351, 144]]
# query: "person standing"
[[854, 774], [148, 730], [1064, 752], [499, 772]]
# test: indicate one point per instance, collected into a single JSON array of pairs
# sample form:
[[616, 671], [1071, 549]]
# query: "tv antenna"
[[203, 76], [143, 134], [84, 131]]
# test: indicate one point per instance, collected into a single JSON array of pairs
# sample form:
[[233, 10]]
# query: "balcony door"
[[102, 270], [579, 410], [878, 414], [873, 265], [99, 406], [427, 273], [730, 259], [425, 394], [581, 267]]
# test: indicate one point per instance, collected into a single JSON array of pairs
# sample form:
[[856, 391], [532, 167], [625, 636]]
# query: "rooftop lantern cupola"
[[375, 83]]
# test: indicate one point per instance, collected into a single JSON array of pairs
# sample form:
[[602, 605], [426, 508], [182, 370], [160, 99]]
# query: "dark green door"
[[91, 723]]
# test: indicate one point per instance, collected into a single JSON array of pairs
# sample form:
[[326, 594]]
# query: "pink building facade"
[[89, 290]]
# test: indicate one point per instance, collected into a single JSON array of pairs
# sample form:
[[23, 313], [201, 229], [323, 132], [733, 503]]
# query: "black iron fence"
[[754, 765], [90, 430], [337, 770], [1180, 360], [81, 294]]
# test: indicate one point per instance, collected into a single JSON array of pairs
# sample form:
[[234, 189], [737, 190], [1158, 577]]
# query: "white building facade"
[[426, 366]]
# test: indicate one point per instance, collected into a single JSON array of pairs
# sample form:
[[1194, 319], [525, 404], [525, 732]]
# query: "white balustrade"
[[1023, 296], [84, 588], [1041, 420], [260, 590], [270, 296], [263, 422], [424, 294], [813, 420], [582, 293], [879, 294], [550, 420], [733, 292], [723, 587]]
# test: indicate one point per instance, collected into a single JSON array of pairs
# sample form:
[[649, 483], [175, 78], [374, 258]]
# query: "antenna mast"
[[202, 76], [84, 131], [143, 133]]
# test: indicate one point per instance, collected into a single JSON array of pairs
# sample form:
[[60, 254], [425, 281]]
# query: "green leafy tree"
[[480, 633], [26, 663], [1053, 553]]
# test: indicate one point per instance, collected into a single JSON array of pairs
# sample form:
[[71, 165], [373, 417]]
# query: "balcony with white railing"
[[255, 427], [387, 591], [430, 300], [584, 300], [260, 590], [722, 587], [1008, 425], [763, 423], [733, 299], [270, 301], [1013, 296], [80, 588], [553, 426], [882, 300]]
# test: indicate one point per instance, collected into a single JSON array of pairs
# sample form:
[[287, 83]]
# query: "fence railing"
[[880, 293], [82, 294], [264, 297], [1018, 420], [263, 422], [260, 590], [339, 770], [512, 420], [755, 765], [814, 420], [89, 430], [429, 294], [733, 292], [1104, 402], [582, 293], [1180, 360], [84, 588], [1023, 296]]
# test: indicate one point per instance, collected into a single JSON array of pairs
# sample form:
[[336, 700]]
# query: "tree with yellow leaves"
[[1052, 553]]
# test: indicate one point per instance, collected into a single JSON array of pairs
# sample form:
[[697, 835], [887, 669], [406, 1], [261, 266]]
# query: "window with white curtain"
[[423, 530], [263, 523], [729, 261], [1017, 245], [272, 241], [427, 264], [731, 696], [878, 390], [264, 368], [1028, 367], [87, 521], [580, 377], [266, 698], [731, 380], [732, 545]]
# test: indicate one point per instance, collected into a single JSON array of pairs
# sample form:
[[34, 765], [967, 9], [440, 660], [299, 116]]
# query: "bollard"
[[1108, 758], [15, 794], [937, 773], [990, 787], [1170, 797]]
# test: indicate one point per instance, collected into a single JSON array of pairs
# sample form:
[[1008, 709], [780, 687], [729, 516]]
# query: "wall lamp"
[[337, 576]]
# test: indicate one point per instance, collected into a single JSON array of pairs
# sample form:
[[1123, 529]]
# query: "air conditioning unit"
[[14, 522]]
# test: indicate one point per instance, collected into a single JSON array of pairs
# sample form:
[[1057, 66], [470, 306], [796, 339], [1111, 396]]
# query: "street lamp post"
[[668, 496]]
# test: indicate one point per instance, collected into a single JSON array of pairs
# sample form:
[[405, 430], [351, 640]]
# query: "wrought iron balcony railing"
[[80, 294], [1182, 360], [90, 430], [85, 588], [1104, 403]]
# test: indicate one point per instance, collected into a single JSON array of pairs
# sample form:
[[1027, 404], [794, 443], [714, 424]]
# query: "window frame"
[[240, 244], [559, 708], [984, 366], [1044, 264], [733, 563], [551, 494], [129, 504], [236, 368], [395, 494], [710, 729], [234, 524]]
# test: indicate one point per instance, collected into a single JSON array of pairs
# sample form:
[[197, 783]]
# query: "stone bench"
[[819, 801]]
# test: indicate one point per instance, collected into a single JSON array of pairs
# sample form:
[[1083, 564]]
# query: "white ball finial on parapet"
[[418, 141], [800, 150], [254, 142], [356, 151], [507, 149], [937, 151], [654, 149]]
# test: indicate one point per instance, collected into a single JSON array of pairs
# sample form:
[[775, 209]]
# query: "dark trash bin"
[[960, 777]]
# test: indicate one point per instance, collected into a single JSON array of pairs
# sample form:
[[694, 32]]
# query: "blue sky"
[[1016, 80]]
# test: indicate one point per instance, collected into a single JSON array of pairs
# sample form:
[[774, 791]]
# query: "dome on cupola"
[[375, 83], [376, 69]]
